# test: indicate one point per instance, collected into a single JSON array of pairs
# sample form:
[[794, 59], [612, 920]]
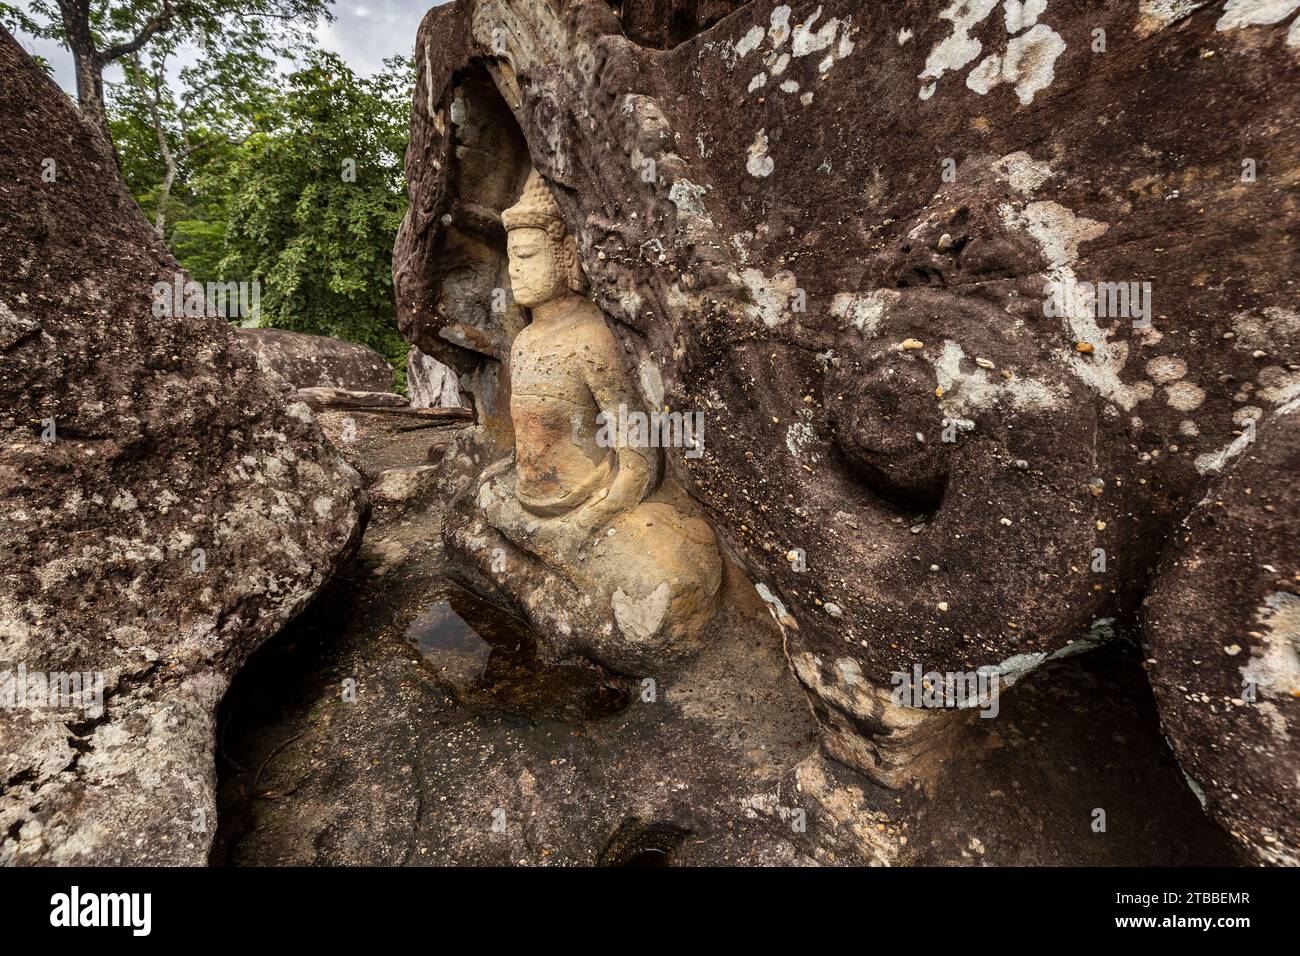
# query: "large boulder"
[[166, 508], [855, 236], [318, 361], [1224, 642]]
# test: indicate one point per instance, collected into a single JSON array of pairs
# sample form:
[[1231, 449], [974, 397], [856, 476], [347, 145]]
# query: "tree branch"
[[156, 24]]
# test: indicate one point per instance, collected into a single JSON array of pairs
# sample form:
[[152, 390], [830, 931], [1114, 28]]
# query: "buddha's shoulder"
[[588, 326]]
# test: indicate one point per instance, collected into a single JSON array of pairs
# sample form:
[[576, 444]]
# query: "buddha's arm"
[[606, 376]]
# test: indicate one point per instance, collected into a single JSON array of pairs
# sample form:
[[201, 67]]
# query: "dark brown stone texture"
[[771, 209], [184, 508]]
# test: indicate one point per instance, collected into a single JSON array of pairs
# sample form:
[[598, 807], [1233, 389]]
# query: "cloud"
[[362, 33]]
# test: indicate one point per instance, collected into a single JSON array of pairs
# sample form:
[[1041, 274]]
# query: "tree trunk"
[[86, 61], [164, 195], [170, 164]]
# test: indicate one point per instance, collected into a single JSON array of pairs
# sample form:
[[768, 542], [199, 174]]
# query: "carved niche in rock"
[[577, 502]]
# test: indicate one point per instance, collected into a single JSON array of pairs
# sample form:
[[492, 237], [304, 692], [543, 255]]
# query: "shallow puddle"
[[449, 645], [489, 659]]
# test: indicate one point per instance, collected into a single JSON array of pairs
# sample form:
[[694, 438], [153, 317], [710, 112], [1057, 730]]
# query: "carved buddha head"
[[543, 256]]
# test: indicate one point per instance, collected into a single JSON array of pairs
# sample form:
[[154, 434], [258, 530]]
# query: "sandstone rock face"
[[858, 238], [318, 361], [430, 383], [165, 509], [1223, 634]]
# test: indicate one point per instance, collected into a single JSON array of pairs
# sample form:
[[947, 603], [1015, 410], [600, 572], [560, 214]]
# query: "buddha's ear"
[[573, 271]]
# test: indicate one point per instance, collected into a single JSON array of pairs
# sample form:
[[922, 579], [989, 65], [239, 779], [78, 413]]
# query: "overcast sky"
[[362, 33]]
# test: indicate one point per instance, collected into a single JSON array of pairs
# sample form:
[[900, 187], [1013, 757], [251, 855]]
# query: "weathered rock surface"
[[832, 227], [166, 506], [400, 485], [430, 383], [359, 736], [1223, 632], [309, 361]]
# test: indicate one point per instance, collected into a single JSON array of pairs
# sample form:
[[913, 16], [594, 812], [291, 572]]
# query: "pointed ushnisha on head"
[[536, 209]]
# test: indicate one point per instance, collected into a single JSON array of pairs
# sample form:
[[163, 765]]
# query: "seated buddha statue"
[[574, 503]]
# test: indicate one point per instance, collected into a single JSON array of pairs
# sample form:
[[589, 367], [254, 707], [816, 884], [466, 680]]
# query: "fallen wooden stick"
[[387, 403], [436, 414]]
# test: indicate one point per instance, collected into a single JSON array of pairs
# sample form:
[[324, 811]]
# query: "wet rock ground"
[[401, 721]]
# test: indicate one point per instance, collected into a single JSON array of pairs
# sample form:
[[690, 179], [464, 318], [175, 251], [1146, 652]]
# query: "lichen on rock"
[[167, 508]]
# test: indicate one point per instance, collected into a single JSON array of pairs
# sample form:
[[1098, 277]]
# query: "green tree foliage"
[[315, 199], [294, 181], [167, 130]]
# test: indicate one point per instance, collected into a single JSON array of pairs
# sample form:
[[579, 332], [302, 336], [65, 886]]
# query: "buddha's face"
[[534, 273]]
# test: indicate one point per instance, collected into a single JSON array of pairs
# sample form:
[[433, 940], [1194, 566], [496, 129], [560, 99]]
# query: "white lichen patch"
[[125, 501], [1184, 396], [750, 41], [959, 48], [807, 41], [759, 164], [1274, 665], [778, 30], [777, 608], [1166, 369], [1017, 666], [969, 388], [1212, 462], [1277, 385], [694, 224], [1029, 64], [863, 310], [797, 439], [641, 619], [771, 297], [1250, 13], [808, 38], [1059, 232], [845, 45], [630, 302], [1056, 229], [1154, 15], [1022, 172], [1022, 14], [1265, 329]]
